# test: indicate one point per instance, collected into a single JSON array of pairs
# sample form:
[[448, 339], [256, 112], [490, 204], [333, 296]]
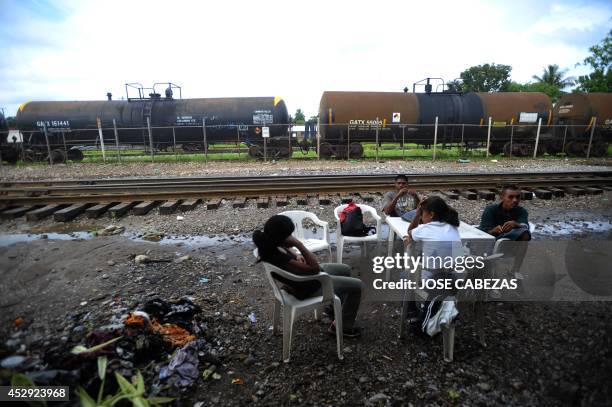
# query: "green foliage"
[[132, 392], [11, 122], [484, 78], [299, 117], [551, 90], [600, 60], [553, 76], [21, 380]]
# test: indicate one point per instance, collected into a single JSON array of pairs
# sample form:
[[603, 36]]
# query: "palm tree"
[[552, 75]]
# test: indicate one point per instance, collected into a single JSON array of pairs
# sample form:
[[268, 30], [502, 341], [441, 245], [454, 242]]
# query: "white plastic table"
[[479, 242]]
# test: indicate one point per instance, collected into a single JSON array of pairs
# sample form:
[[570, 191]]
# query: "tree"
[[11, 122], [483, 78], [600, 60], [552, 75], [299, 117], [551, 90]]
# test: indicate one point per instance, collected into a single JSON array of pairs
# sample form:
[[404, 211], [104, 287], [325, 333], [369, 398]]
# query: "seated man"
[[398, 202], [508, 220]]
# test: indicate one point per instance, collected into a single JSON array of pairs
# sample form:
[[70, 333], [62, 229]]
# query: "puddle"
[[197, 241], [566, 228], [7, 240]]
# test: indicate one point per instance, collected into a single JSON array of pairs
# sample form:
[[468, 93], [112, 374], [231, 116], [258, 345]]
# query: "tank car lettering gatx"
[[57, 124], [364, 124]]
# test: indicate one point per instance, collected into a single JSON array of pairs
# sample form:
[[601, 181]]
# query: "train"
[[57, 131]]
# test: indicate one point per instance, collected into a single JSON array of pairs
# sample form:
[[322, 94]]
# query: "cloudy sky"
[[79, 50]]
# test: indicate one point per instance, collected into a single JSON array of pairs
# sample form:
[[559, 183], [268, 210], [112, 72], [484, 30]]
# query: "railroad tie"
[[189, 205], [239, 202], [281, 200], [71, 212], [120, 209], [574, 191], [542, 193], [213, 203], [526, 195], [169, 207], [43, 212], [301, 200], [143, 208], [557, 192], [324, 200], [263, 202], [17, 212], [469, 195], [593, 190], [346, 199], [97, 210], [450, 194], [486, 194]]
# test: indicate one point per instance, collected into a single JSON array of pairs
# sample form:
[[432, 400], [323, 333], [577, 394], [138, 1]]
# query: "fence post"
[[591, 137], [116, 133], [435, 138], [174, 144], [48, 145], [150, 138], [348, 142], [489, 136], [291, 142], [238, 140], [99, 122], [377, 127], [65, 149], [535, 149], [564, 137], [204, 138], [403, 142], [318, 139]]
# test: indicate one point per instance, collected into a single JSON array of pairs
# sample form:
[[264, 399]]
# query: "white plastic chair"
[[341, 239], [293, 307], [314, 245]]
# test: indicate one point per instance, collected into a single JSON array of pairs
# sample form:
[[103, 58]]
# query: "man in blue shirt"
[[507, 219]]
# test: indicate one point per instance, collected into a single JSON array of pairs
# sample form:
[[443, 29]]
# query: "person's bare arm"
[[496, 231], [413, 224], [309, 266], [390, 207]]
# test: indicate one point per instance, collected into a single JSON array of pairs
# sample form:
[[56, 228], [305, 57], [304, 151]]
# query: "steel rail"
[[273, 188]]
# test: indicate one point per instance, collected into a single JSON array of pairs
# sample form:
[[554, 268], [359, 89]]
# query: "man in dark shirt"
[[508, 220]]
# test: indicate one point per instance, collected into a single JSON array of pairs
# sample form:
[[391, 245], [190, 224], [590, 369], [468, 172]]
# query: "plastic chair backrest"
[[298, 220]]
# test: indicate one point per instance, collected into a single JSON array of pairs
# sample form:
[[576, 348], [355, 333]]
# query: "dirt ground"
[[536, 354]]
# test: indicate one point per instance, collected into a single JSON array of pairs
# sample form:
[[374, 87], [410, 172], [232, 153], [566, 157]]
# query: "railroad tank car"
[[349, 118], [8, 152], [575, 116], [226, 119]]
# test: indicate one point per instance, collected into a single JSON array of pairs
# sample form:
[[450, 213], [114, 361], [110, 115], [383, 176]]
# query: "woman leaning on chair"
[[436, 226], [275, 244]]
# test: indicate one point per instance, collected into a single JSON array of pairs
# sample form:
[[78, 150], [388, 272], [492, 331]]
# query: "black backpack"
[[351, 222]]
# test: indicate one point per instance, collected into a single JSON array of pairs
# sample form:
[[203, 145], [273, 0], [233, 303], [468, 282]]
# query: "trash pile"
[[168, 343]]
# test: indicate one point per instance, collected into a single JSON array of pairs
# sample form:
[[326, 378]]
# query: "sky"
[[79, 49]]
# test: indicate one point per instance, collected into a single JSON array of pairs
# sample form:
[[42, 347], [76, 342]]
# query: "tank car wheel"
[[509, 149], [75, 155], [599, 149], [255, 151], [29, 156], [284, 152], [57, 156], [326, 150], [355, 150], [495, 148]]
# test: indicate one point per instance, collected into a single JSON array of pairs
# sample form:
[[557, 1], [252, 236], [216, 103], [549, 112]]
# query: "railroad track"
[[66, 199]]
